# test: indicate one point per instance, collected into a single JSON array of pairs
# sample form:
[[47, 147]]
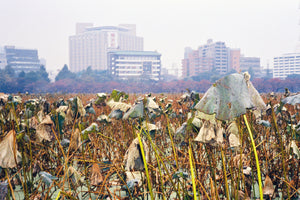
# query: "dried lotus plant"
[[96, 176], [9, 155], [133, 157]]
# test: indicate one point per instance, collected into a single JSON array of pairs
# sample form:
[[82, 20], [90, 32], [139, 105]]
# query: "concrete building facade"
[[90, 45], [286, 64], [134, 64], [216, 56], [3, 62], [211, 56], [22, 59], [234, 59], [250, 62]]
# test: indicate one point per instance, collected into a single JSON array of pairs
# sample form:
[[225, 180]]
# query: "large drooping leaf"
[[75, 141], [117, 95], [96, 176], [77, 107], [118, 105], [295, 149], [9, 156], [210, 133], [137, 111], [100, 98], [133, 157], [47, 178], [293, 100], [115, 114], [232, 133], [230, 97], [268, 189], [44, 129], [74, 176]]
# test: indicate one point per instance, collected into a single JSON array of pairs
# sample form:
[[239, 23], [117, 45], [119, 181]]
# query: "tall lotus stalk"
[[256, 159], [192, 172], [145, 164]]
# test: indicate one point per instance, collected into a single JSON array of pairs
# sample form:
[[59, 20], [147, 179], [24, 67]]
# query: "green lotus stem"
[[192, 172], [145, 164], [225, 174], [256, 158]]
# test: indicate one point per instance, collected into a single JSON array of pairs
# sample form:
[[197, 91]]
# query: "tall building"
[[216, 56], [90, 45], [286, 64], [247, 63], [22, 59], [234, 59], [211, 56], [134, 64], [2, 58]]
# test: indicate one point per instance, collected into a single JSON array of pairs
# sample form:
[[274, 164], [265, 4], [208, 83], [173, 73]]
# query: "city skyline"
[[262, 29]]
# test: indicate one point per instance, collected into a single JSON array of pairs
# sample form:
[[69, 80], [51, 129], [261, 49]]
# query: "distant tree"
[[202, 76], [65, 73], [251, 72], [293, 76], [44, 74], [32, 77], [22, 74], [8, 70]]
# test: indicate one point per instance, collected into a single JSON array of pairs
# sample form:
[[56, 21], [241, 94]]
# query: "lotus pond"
[[229, 143]]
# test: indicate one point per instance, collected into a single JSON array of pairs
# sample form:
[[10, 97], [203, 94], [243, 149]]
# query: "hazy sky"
[[262, 28]]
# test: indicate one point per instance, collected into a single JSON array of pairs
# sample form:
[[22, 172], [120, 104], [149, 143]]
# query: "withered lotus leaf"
[[293, 100], [75, 141], [269, 187], [118, 105], [232, 132], [230, 97], [210, 133], [96, 176], [133, 157], [44, 129], [9, 156]]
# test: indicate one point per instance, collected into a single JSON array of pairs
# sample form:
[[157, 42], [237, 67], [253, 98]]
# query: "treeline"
[[92, 81]]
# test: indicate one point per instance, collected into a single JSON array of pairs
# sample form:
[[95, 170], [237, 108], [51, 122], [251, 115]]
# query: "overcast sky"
[[262, 28]]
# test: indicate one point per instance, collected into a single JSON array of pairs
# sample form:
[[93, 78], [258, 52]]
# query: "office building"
[[211, 56], [2, 58], [216, 57], [135, 64], [234, 59], [22, 59], [286, 64], [247, 63], [90, 45]]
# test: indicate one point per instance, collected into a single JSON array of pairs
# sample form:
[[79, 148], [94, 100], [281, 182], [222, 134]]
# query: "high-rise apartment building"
[[22, 59], [247, 63], [211, 56], [216, 56], [90, 45], [286, 64], [134, 64], [2, 58], [234, 59]]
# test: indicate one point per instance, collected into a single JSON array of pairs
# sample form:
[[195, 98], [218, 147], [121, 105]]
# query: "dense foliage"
[[90, 81]]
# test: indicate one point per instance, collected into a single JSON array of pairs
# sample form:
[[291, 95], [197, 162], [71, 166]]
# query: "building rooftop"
[[100, 28], [137, 53]]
